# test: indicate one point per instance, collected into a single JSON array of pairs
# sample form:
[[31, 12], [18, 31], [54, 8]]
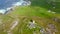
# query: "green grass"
[[32, 11], [38, 11]]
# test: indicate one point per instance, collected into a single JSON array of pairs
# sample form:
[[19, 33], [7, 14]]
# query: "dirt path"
[[15, 23]]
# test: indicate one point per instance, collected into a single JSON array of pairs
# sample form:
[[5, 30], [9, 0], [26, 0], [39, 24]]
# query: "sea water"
[[7, 4]]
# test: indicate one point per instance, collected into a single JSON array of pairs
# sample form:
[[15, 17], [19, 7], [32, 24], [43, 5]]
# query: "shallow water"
[[7, 3]]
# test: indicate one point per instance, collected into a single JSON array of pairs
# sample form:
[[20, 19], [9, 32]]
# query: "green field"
[[37, 11]]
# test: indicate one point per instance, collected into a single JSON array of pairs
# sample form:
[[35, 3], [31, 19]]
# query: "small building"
[[31, 24]]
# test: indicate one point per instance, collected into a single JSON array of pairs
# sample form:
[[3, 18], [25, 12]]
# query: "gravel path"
[[15, 23]]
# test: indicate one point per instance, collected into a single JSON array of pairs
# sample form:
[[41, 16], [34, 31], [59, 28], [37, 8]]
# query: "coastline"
[[20, 3], [4, 11]]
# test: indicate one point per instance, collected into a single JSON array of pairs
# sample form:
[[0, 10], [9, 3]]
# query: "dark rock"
[[31, 20], [56, 19], [51, 26], [42, 30]]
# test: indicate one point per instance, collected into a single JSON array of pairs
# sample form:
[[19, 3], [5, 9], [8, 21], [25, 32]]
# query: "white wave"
[[18, 3], [7, 9], [2, 11], [21, 2]]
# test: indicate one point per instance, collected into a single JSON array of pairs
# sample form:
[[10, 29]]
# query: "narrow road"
[[15, 23]]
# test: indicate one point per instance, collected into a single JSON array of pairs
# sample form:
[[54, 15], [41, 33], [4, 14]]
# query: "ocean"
[[6, 4]]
